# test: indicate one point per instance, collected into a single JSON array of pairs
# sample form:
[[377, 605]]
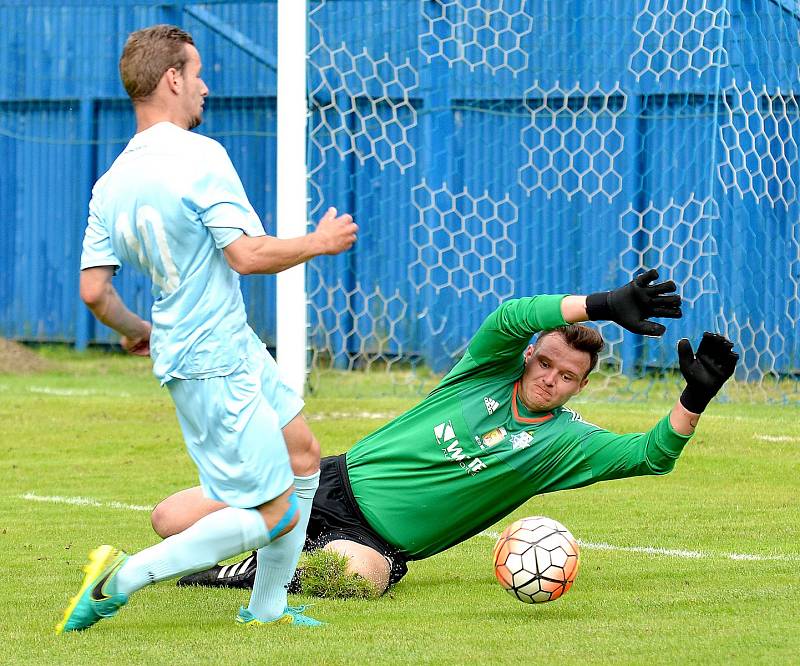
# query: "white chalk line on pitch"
[[646, 550], [76, 393], [777, 438], [673, 552], [83, 501], [387, 416]]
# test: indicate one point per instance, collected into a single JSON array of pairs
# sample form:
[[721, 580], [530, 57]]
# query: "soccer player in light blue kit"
[[173, 207]]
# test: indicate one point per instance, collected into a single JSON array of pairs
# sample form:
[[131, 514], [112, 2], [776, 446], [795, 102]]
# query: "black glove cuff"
[[695, 401], [597, 307]]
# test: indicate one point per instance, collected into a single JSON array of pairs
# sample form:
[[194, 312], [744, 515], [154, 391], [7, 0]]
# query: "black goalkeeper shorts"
[[335, 515]]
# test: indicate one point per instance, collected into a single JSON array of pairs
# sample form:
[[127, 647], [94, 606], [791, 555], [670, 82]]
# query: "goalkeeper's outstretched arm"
[[615, 456], [705, 371], [631, 306]]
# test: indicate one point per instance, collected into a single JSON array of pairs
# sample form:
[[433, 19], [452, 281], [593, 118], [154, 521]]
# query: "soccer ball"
[[536, 559]]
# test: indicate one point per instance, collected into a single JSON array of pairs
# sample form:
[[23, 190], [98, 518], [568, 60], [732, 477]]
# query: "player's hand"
[[706, 370], [137, 345], [632, 305], [335, 234]]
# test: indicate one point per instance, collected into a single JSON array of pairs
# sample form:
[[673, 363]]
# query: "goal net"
[[492, 149]]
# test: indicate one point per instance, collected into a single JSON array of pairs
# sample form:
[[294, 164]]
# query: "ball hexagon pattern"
[[536, 559]]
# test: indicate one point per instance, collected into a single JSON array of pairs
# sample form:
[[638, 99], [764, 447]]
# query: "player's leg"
[[217, 536], [276, 564], [304, 454], [182, 510], [334, 521], [364, 561], [112, 576], [224, 421], [302, 446]]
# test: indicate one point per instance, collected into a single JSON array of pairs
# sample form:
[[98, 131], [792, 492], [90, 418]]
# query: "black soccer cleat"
[[238, 575]]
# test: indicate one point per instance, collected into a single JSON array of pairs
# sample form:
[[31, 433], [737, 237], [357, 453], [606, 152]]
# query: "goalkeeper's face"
[[554, 372]]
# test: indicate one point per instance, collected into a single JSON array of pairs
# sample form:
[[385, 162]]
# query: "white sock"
[[278, 560], [215, 537]]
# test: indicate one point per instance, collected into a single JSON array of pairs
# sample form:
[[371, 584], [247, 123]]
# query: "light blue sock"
[[305, 487], [215, 537], [278, 560]]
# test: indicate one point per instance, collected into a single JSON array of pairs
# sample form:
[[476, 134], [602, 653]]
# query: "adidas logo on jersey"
[[574, 416], [491, 405]]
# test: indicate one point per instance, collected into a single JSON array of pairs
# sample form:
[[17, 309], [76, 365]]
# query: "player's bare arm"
[[266, 254], [102, 299]]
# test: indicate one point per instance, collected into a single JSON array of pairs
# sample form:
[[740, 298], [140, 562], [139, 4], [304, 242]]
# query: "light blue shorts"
[[232, 428]]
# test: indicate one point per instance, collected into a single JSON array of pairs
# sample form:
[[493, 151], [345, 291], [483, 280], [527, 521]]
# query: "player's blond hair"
[[148, 53]]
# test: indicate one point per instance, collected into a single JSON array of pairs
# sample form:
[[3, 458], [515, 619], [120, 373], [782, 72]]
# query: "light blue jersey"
[[167, 206]]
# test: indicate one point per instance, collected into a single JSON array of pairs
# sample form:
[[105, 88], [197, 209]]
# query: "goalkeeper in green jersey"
[[491, 435]]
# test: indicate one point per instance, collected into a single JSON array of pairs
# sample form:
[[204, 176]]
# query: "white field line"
[[385, 416], [83, 501], [777, 438], [75, 392], [672, 552], [646, 550], [725, 417]]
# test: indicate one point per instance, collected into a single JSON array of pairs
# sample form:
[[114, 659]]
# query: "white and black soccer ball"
[[536, 559]]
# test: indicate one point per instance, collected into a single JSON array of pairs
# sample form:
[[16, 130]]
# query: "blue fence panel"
[[555, 148], [39, 230]]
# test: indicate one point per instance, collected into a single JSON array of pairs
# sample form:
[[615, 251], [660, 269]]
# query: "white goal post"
[[292, 198]]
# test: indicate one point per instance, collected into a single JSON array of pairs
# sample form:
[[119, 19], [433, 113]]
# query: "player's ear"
[[174, 80], [583, 384], [528, 352]]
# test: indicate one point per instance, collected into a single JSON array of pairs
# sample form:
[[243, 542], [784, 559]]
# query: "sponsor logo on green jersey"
[[521, 440], [451, 448], [492, 437]]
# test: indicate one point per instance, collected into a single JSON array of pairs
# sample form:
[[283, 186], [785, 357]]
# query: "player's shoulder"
[[199, 144], [100, 184], [571, 416], [202, 141], [102, 191]]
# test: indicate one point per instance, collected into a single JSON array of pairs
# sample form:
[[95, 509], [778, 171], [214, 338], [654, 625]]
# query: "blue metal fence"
[[608, 153]]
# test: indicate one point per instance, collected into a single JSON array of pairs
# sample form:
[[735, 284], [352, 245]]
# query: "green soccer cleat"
[[291, 615], [93, 602]]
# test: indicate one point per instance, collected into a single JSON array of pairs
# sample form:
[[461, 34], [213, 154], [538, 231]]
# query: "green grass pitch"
[[721, 585]]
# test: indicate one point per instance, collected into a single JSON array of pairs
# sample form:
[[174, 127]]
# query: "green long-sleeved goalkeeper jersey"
[[471, 452]]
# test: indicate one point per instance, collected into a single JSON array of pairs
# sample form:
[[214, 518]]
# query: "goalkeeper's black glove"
[[632, 305], [705, 371]]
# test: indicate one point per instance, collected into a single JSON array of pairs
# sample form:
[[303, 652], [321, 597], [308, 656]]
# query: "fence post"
[[85, 322], [437, 130]]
